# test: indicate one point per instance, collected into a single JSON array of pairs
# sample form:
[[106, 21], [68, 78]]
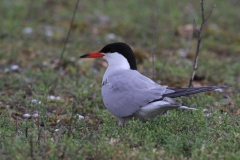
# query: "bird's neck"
[[113, 69], [116, 62]]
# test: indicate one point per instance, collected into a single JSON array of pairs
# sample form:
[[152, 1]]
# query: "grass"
[[32, 36]]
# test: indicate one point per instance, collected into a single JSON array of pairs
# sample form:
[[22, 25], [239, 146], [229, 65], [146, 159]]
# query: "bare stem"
[[26, 132], [64, 48], [210, 13], [199, 31], [69, 31]]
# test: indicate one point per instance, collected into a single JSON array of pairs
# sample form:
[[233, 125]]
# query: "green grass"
[[182, 134]]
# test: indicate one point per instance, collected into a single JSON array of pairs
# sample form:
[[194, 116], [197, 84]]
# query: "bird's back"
[[125, 91]]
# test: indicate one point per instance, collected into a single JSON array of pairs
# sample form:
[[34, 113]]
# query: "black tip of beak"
[[83, 56]]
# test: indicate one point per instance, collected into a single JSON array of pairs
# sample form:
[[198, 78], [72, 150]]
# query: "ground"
[[53, 109]]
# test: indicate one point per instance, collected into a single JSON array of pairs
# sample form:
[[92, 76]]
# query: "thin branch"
[[69, 31], [199, 41], [26, 132], [64, 48], [154, 46], [38, 126], [202, 7], [210, 13], [17, 129]]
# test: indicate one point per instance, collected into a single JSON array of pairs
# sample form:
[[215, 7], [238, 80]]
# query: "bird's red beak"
[[93, 55]]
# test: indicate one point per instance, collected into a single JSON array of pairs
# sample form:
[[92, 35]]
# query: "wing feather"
[[126, 91]]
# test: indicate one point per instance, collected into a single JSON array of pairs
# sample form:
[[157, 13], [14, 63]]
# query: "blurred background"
[[33, 34], [33, 82]]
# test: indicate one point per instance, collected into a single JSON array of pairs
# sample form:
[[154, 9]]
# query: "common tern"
[[128, 94]]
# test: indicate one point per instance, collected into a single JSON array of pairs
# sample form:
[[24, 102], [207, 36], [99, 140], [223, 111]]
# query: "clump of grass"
[[33, 40]]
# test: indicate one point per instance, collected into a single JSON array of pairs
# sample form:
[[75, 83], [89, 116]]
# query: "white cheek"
[[116, 60]]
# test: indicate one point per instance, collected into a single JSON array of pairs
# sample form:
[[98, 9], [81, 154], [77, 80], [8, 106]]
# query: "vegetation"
[[52, 110]]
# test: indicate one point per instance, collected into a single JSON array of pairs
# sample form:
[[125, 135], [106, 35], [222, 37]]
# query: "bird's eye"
[[112, 50]]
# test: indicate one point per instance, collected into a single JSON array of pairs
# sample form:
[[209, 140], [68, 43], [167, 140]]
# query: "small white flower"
[[72, 59], [80, 116], [36, 101], [54, 98], [35, 115], [44, 63], [6, 69], [110, 36], [26, 115], [14, 67], [28, 30], [49, 33]]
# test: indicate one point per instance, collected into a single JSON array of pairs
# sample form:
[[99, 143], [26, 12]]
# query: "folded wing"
[[125, 92]]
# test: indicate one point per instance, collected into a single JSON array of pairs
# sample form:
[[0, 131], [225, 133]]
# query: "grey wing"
[[178, 92], [125, 92]]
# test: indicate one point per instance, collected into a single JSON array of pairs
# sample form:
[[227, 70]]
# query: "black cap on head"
[[123, 49]]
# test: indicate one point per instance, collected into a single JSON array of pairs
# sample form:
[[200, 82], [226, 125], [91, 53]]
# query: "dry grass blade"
[[199, 31], [26, 132], [64, 48], [17, 129]]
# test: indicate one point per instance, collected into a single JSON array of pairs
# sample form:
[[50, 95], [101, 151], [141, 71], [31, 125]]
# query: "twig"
[[69, 31], [38, 125], [210, 13], [64, 48], [199, 31], [26, 132], [154, 46], [17, 129]]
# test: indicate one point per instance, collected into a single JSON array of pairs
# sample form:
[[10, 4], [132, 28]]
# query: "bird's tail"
[[185, 107], [178, 92]]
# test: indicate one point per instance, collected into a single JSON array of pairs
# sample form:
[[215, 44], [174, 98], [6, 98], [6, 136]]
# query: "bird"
[[128, 94]]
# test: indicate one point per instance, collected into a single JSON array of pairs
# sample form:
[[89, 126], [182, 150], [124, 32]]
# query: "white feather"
[[152, 110], [116, 62]]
